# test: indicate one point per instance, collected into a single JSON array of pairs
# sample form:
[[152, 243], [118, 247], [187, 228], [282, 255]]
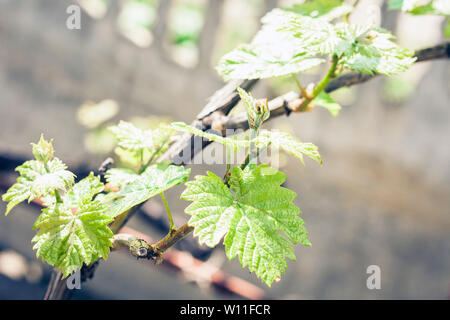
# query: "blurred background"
[[381, 198]]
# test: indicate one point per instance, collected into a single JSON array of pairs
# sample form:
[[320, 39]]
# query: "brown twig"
[[193, 268]]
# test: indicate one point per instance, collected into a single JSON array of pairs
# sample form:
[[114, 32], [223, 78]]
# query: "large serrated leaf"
[[270, 54], [362, 48], [316, 36], [373, 51], [66, 240], [257, 62], [250, 219], [154, 180]]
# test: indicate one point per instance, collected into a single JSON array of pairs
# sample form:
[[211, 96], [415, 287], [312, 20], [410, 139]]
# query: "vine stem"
[[58, 197], [153, 156], [169, 214], [172, 238], [56, 192], [299, 85], [321, 85], [141, 249]]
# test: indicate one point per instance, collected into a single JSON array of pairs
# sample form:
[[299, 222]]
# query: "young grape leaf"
[[154, 180], [373, 51], [67, 240], [250, 219], [258, 62], [366, 49], [83, 191], [324, 100], [270, 54], [235, 143], [289, 144], [36, 181], [120, 176], [324, 9], [317, 36], [137, 140]]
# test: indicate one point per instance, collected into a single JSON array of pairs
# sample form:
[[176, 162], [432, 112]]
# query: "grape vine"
[[78, 223]]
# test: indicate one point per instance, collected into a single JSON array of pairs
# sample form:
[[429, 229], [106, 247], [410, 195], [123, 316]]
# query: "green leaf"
[[270, 54], [83, 191], [259, 62], [66, 240], [421, 10], [154, 180], [289, 144], [324, 100], [120, 176], [232, 142], [250, 219], [365, 49], [36, 181], [374, 52], [137, 140], [316, 36], [279, 139], [18, 192], [323, 9]]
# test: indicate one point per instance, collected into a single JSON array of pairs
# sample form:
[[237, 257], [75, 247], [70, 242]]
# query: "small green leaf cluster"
[[74, 227], [75, 231], [138, 145], [39, 177], [144, 146], [291, 40], [294, 40]]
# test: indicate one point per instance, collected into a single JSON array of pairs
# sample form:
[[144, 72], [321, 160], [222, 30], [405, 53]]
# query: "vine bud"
[[43, 150]]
